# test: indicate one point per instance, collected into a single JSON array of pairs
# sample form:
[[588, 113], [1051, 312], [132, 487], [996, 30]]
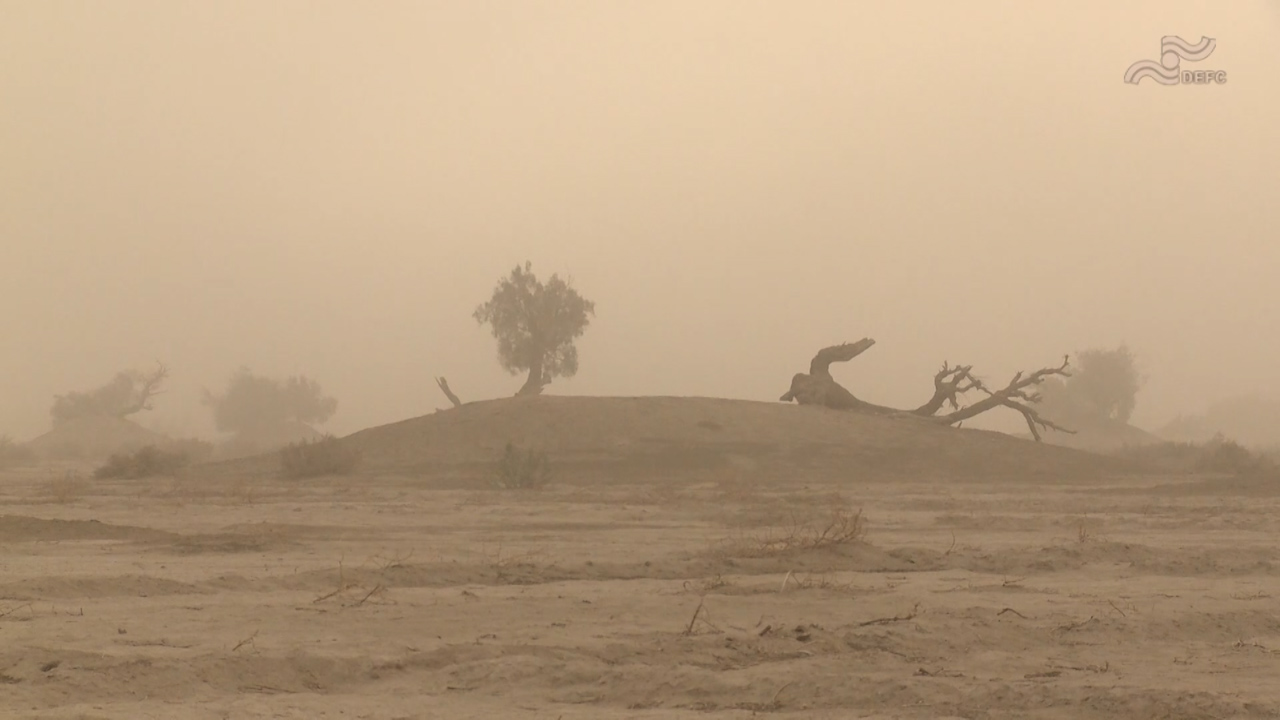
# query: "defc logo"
[[1168, 71]]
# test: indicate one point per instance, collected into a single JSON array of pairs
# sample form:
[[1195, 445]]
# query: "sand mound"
[[20, 528], [93, 438], [651, 438]]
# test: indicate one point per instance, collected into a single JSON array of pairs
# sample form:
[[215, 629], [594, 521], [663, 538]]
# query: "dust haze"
[[331, 188], [249, 246]]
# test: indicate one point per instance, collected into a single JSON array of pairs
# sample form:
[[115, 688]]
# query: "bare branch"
[[150, 387], [948, 385], [444, 387], [1017, 395]]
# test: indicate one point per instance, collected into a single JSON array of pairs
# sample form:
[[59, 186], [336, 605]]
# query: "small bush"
[[840, 525], [1217, 456], [1228, 456], [195, 449], [524, 469], [66, 489], [14, 454], [145, 462], [325, 456]]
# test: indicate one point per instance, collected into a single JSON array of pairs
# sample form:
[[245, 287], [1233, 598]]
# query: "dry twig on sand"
[[700, 613], [896, 618], [246, 641], [13, 610], [841, 526], [1076, 625]]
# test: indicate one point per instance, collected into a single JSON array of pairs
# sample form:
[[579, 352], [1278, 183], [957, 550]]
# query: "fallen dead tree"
[[817, 387]]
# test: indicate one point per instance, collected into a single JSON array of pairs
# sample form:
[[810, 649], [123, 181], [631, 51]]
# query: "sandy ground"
[[376, 598]]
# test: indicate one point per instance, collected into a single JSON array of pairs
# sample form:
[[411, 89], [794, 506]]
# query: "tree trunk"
[[536, 381]]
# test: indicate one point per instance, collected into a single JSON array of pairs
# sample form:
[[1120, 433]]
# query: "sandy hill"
[[595, 438], [93, 438]]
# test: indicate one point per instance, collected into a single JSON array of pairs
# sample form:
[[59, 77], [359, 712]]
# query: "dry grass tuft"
[[522, 469], [326, 456], [1219, 456], [145, 462], [66, 489], [13, 454], [839, 525]]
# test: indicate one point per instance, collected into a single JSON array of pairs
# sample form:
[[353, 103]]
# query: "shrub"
[[1272, 453], [195, 449], [836, 526], [525, 469], [14, 454], [325, 456], [1228, 456], [145, 462], [66, 489], [1218, 456]]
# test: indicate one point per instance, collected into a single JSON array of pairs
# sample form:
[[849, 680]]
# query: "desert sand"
[[675, 567]]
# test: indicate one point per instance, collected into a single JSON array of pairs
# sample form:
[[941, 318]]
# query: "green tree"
[[536, 325]]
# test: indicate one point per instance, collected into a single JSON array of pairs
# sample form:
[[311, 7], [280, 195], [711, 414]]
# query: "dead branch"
[[896, 618], [246, 641], [150, 387], [700, 613], [948, 385], [11, 611], [1017, 395], [377, 589], [694, 619], [1113, 607], [1074, 626], [444, 387]]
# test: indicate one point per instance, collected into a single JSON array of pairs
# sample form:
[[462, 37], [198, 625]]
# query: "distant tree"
[[536, 325], [129, 392], [1102, 387], [253, 404]]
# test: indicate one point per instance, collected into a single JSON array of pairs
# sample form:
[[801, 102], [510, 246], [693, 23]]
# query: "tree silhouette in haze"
[[536, 325], [1102, 389], [128, 393], [264, 408]]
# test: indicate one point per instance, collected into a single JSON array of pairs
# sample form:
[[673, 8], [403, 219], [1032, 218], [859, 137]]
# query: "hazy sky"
[[332, 187]]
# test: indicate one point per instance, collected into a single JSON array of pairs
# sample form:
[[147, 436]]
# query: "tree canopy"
[[536, 325], [253, 403], [1103, 387], [129, 392]]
